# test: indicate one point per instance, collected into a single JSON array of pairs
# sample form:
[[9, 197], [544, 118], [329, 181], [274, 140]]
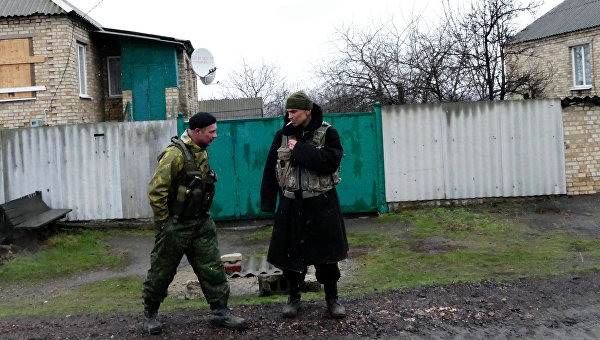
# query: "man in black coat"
[[302, 169]]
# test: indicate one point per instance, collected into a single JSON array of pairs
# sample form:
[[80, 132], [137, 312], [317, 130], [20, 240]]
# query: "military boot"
[[151, 325], [290, 310], [336, 310], [222, 316]]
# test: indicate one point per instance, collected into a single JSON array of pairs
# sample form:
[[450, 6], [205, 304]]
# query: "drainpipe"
[[381, 200]]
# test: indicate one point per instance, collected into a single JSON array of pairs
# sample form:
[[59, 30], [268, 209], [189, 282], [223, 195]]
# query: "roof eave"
[[185, 44], [551, 36]]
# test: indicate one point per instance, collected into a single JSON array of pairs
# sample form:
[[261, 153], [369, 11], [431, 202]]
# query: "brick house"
[[562, 45], [59, 66]]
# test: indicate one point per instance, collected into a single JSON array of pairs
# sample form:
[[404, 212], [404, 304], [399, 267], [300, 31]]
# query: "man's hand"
[[291, 144], [160, 225]]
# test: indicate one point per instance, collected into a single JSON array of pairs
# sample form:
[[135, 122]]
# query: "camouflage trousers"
[[198, 241]]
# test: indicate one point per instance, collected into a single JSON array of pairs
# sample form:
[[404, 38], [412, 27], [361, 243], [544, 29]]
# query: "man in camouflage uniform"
[[180, 194]]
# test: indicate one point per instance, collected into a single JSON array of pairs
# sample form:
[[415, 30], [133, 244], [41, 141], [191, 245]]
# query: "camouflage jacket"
[[169, 172]]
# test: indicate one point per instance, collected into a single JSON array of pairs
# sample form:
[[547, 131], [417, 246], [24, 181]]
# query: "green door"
[[148, 93]]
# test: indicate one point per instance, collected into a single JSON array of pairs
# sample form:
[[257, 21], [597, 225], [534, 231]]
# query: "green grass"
[[419, 247], [63, 255], [445, 245], [263, 235], [121, 295]]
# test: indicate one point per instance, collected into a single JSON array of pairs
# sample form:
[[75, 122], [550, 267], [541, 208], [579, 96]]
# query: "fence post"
[[381, 200], [180, 124]]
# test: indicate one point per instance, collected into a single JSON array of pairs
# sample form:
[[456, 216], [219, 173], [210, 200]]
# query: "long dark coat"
[[306, 231]]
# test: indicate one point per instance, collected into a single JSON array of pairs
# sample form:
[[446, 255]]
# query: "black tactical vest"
[[297, 179], [193, 190]]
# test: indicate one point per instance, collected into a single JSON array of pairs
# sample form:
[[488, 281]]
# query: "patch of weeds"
[[458, 222], [469, 246], [118, 294], [260, 253], [63, 254], [583, 245], [258, 236]]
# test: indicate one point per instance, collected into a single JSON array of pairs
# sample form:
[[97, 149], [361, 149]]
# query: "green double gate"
[[239, 154]]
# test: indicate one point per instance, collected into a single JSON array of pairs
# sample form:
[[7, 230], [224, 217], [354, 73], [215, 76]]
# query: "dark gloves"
[[160, 225]]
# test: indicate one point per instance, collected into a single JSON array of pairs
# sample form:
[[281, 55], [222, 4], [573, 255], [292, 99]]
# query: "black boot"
[[336, 310], [222, 316], [290, 310], [151, 325]]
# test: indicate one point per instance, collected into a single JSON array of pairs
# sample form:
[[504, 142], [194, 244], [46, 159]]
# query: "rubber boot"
[[151, 325], [290, 310], [336, 310], [222, 316]]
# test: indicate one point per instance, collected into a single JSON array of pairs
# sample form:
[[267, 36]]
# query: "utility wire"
[[69, 55]]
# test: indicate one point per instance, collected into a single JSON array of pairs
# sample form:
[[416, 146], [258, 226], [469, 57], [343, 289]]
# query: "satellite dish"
[[203, 65]]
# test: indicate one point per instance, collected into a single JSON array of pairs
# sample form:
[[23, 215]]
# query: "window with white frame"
[[114, 77], [82, 69], [582, 68]]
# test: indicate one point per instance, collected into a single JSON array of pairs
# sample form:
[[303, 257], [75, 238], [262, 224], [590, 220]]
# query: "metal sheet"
[[239, 154], [239, 108], [28, 7], [100, 170], [470, 150]]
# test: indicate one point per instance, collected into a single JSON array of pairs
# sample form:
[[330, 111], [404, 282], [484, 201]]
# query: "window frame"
[[587, 83], [82, 74], [20, 53], [111, 91]]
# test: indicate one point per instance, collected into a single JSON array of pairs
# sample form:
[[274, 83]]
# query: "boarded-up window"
[[16, 68]]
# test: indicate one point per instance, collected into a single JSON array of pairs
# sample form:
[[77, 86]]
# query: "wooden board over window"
[[16, 67]]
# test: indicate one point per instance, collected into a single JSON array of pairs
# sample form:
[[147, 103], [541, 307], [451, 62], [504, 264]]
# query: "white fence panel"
[[100, 171], [470, 150]]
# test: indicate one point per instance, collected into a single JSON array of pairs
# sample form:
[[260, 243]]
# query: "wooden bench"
[[29, 212]]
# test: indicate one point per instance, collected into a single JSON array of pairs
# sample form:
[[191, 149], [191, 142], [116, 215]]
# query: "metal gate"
[[239, 154]]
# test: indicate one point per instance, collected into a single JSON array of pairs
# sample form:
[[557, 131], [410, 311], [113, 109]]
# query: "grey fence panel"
[[100, 171], [470, 150], [141, 143], [413, 153]]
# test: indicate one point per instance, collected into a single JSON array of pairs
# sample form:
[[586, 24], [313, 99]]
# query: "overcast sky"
[[295, 35]]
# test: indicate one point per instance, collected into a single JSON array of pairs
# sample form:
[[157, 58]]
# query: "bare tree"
[[527, 74], [440, 70], [463, 58], [253, 82], [481, 34], [369, 67]]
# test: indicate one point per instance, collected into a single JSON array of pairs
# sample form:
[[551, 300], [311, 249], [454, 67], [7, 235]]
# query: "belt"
[[301, 194]]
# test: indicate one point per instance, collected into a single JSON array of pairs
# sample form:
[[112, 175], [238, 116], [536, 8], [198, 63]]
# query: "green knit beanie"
[[299, 100]]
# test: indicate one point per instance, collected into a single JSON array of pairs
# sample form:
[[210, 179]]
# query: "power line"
[[69, 55]]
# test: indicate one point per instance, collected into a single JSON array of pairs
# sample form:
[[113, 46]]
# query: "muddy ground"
[[562, 307]]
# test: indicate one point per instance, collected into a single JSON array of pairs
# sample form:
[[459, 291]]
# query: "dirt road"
[[562, 307]]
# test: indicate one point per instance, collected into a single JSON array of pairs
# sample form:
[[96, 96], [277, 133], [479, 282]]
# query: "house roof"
[[185, 44], [13, 8], [568, 16], [10, 8]]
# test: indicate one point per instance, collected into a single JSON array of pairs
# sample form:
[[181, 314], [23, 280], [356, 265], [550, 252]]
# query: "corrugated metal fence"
[[468, 150], [442, 151], [240, 108], [101, 170]]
